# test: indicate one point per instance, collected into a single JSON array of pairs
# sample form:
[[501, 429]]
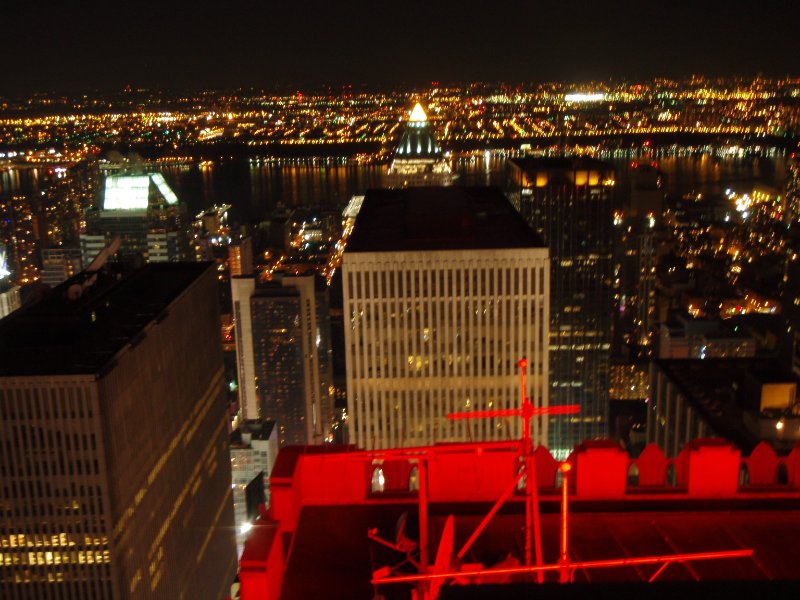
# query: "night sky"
[[83, 46]]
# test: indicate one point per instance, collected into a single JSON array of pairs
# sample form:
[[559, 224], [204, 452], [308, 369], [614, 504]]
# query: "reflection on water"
[[255, 189], [18, 181]]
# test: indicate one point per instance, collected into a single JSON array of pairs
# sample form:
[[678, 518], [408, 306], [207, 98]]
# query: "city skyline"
[[180, 45], [537, 259]]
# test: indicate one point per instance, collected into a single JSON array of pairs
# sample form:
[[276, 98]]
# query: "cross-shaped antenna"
[[525, 412]]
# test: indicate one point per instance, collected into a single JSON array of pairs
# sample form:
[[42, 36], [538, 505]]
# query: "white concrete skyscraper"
[[445, 289]]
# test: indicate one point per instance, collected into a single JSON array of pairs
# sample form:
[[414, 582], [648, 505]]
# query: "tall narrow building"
[[445, 289], [568, 202], [283, 353], [116, 477]]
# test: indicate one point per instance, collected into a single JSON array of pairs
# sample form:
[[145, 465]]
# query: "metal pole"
[[532, 521], [422, 472], [564, 558]]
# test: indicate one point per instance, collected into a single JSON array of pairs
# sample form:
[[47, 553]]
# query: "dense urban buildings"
[[445, 290], [19, 232], [283, 354], [656, 285], [113, 440], [472, 115], [568, 202]]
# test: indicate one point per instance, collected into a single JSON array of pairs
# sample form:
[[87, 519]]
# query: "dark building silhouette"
[[568, 202], [116, 478]]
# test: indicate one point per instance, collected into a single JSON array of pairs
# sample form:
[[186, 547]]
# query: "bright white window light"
[[4, 272], [126, 192], [165, 190], [132, 192], [418, 114]]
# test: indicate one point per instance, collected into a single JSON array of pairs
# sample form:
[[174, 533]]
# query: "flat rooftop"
[[59, 336], [439, 218], [331, 542]]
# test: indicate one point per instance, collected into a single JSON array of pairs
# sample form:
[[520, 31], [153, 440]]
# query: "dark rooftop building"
[[745, 401], [62, 336], [439, 218], [113, 440]]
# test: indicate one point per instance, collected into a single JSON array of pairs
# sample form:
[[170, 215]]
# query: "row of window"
[[63, 402], [469, 279]]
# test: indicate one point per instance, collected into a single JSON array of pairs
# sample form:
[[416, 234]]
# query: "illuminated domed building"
[[418, 159]]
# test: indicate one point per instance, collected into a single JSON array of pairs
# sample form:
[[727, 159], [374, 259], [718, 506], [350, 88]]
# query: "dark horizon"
[[104, 47], [337, 88]]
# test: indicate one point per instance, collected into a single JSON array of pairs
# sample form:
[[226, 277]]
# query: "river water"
[[255, 189]]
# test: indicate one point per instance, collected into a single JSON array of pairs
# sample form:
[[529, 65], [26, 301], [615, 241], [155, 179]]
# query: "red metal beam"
[[591, 564], [482, 525], [567, 409]]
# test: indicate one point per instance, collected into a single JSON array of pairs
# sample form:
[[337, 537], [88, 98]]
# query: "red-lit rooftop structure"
[[314, 540], [452, 479]]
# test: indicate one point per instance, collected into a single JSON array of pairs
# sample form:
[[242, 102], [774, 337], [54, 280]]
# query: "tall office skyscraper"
[[116, 479], [283, 353], [144, 211], [568, 201], [445, 289]]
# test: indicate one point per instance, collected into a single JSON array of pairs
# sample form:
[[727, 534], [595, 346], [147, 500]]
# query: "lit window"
[[378, 480]]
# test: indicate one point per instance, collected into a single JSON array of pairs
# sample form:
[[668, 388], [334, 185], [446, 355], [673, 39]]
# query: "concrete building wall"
[[242, 289], [429, 333], [171, 500]]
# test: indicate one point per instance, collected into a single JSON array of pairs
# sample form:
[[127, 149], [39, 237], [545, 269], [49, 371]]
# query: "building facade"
[[283, 353], [568, 202], [146, 215], [113, 442], [745, 401], [445, 289], [59, 264]]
